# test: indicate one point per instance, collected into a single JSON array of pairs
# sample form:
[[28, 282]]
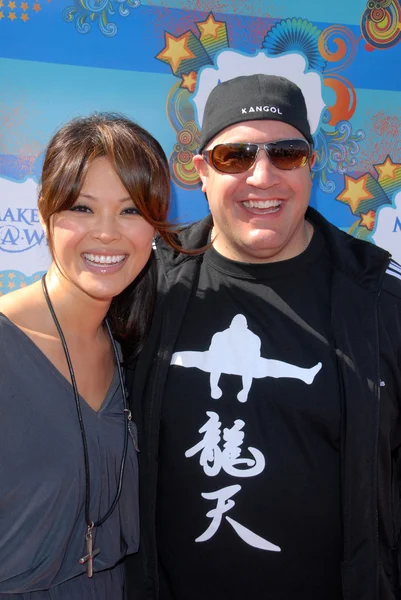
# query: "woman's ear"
[[43, 226]]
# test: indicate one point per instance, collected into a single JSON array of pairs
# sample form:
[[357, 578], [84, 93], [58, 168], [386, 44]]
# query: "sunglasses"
[[238, 158]]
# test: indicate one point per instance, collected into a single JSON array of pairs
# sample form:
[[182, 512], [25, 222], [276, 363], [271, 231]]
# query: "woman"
[[68, 472]]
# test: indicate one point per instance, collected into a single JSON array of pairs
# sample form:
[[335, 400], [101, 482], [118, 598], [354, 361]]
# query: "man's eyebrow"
[[90, 197]]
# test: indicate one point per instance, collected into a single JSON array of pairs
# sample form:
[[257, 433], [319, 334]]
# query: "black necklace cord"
[[127, 413]]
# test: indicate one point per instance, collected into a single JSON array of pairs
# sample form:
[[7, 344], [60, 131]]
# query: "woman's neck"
[[79, 315]]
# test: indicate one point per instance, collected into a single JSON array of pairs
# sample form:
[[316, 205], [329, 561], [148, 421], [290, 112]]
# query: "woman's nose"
[[106, 229]]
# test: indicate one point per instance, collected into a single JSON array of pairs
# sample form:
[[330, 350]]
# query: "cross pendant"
[[88, 558]]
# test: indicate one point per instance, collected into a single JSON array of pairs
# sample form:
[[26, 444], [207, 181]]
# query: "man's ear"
[[202, 167]]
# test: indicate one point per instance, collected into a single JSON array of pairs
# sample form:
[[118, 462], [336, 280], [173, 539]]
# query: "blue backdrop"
[[155, 61]]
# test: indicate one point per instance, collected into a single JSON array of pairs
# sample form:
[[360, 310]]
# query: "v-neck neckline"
[[59, 375]]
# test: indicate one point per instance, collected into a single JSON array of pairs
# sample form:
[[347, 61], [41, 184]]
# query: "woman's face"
[[101, 243]]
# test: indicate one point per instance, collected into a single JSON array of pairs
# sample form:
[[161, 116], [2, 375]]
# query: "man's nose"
[[263, 174]]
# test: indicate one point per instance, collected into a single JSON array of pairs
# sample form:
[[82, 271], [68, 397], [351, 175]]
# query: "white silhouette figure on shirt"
[[236, 351]]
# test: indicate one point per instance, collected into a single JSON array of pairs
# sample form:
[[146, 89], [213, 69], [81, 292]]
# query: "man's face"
[[258, 215]]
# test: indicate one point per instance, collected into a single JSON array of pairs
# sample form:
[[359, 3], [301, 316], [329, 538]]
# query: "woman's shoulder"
[[19, 306], [9, 337]]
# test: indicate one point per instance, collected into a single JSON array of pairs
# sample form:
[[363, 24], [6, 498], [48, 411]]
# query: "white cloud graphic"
[[387, 233], [23, 246], [230, 64]]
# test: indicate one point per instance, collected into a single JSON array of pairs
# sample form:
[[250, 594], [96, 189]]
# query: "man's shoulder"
[[359, 260], [392, 279], [190, 237], [196, 234]]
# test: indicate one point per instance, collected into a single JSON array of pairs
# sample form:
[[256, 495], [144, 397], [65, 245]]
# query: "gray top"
[[42, 480]]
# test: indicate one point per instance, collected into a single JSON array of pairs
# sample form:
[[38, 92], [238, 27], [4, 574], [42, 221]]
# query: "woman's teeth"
[[101, 259]]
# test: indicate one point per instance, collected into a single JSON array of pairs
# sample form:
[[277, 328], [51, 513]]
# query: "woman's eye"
[[86, 209], [131, 211], [80, 208]]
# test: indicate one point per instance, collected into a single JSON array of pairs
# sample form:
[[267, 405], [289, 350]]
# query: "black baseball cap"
[[253, 97]]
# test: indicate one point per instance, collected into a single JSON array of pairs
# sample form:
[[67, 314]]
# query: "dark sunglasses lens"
[[233, 158], [289, 154]]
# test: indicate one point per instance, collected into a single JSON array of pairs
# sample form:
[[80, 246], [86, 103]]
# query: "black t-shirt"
[[249, 479]]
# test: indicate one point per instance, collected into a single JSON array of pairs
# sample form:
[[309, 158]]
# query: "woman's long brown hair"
[[142, 167]]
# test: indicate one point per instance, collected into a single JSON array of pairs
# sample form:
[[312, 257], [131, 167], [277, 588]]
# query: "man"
[[268, 394]]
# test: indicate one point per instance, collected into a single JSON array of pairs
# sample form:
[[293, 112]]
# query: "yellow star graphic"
[[368, 220], [11, 285], [11, 276], [209, 27], [189, 81], [11, 16], [355, 192], [36, 7], [11, 5], [22, 284], [24, 17], [1, 14], [387, 169], [1, 3], [176, 50], [24, 5]]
